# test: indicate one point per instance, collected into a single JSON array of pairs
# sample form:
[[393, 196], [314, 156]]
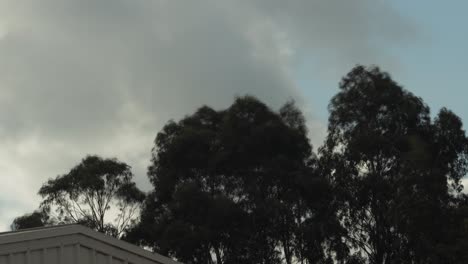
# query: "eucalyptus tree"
[[229, 187], [99, 193], [395, 171]]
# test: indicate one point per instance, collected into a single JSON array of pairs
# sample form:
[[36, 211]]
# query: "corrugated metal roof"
[[70, 243]]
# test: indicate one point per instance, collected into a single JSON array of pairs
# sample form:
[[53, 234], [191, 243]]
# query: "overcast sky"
[[102, 77]]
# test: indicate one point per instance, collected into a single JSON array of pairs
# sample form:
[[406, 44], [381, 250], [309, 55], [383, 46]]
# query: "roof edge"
[[70, 229]]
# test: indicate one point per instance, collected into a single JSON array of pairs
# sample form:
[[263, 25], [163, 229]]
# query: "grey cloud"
[[79, 77], [338, 34]]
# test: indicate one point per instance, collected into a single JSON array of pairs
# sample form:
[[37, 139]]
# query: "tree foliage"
[[235, 186], [87, 194], [35, 219], [395, 171], [243, 185], [384, 188]]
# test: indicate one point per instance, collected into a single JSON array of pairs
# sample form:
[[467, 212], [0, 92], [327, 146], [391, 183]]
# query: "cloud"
[[79, 77], [464, 182]]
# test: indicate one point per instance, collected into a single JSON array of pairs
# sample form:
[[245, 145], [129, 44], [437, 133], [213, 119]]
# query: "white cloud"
[[85, 76], [465, 185]]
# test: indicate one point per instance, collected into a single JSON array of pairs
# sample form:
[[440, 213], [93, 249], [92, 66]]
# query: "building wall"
[[72, 249]]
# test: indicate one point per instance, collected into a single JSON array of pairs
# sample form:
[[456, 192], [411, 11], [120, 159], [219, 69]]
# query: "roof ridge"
[[69, 229], [37, 228]]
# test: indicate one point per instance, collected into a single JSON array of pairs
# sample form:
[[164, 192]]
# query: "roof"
[[82, 235]]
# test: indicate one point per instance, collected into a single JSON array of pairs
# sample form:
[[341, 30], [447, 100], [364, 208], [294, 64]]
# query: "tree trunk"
[[218, 255]]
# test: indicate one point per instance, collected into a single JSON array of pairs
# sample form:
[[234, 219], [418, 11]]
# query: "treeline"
[[243, 184]]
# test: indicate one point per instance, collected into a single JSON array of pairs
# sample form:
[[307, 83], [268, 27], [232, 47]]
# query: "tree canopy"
[[235, 186], [396, 172], [98, 193], [384, 188], [35, 219], [243, 184]]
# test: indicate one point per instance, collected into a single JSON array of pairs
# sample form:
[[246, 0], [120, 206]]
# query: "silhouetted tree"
[[90, 191], [395, 173], [229, 188], [242, 185], [37, 218]]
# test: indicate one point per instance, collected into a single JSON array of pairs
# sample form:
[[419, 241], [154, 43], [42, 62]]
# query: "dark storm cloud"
[[79, 77]]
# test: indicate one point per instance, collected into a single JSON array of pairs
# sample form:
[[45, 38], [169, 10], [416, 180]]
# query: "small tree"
[[37, 218], [91, 192]]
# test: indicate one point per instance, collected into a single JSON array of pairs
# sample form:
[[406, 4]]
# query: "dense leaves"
[[242, 184], [87, 195], [396, 173], [35, 219], [236, 186]]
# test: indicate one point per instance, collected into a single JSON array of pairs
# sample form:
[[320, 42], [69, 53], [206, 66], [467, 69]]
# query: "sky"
[[82, 77]]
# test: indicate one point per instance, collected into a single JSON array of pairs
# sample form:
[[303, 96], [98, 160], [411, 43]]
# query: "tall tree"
[[91, 191], [395, 172], [228, 187]]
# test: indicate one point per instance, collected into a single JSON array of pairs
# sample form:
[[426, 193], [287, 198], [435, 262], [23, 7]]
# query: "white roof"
[[75, 237]]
